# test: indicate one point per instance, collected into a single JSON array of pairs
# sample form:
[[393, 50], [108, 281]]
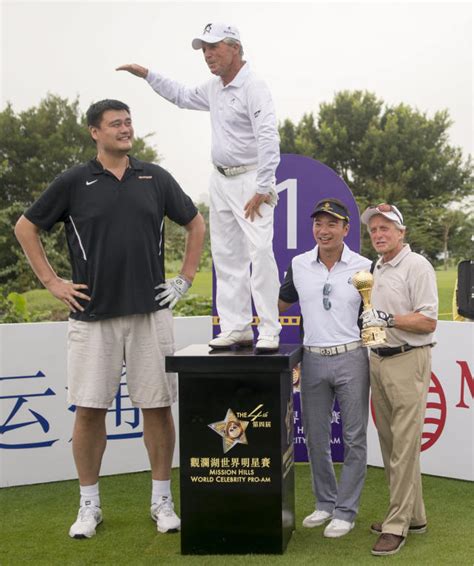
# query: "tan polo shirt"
[[406, 284]]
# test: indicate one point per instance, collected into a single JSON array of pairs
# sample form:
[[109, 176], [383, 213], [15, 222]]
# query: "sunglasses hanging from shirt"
[[326, 290]]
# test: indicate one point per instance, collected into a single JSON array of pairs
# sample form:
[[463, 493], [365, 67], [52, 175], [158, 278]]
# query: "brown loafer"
[[388, 544], [376, 528]]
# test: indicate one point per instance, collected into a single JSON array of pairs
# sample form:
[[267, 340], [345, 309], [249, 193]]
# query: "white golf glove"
[[173, 290], [273, 197], [374, 317]]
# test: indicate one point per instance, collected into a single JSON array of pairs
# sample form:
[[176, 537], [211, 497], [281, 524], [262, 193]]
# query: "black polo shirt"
[[115, 232]]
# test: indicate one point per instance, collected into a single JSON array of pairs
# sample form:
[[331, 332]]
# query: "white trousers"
[[236, 244]]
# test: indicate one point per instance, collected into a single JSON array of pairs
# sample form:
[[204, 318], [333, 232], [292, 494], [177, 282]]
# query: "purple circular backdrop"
[[300, 183]]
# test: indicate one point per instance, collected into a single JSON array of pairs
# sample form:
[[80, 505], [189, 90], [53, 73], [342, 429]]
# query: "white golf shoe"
[[163, 514], [338, 528], [234, 338], [88, 518], [316, 519], [267, 344]]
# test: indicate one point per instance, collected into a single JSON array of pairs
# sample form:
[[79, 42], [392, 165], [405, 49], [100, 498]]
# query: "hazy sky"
[[416, 53]]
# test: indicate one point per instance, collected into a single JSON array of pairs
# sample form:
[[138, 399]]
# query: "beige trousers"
[[399, 389]]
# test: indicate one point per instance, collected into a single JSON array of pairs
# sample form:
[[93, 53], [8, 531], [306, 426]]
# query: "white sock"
[[160, 489], [90, 495]]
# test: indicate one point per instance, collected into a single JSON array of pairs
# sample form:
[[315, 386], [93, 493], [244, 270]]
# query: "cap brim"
[[197, 41], [367, 215], [335, 214]]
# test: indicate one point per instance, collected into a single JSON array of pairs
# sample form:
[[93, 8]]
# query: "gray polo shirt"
[[406, 284]]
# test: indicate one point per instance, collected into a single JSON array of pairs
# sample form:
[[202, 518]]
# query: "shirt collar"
[[399, 257], [97, 168], [240, 77], [135, 164], [345, 256]]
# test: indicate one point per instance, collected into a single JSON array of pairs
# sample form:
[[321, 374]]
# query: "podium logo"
[[231, 429], [296, 375]]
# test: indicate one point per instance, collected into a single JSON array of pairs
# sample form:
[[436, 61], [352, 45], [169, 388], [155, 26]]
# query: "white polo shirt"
[[304, 282], [243, 121]]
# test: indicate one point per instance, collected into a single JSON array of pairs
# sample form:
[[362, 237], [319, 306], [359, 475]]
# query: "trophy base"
[[373, 336]]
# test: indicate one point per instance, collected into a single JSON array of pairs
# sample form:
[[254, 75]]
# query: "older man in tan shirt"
[[405, 301]]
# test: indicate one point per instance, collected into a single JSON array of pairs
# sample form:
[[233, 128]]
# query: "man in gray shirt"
[[405, 301]]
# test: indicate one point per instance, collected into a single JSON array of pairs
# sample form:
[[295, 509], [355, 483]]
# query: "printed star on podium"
[[231, 429]]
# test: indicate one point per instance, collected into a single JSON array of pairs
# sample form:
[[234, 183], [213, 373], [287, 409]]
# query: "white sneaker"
[[88, 518], [163, 514], [338, 528], [267, 343], [236, 337], [317, 518]]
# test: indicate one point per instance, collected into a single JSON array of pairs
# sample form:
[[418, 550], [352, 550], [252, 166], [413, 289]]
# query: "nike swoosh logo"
[[91, 182]]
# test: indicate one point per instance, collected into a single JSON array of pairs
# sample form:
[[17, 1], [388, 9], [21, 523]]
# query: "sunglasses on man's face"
[[384, 207]]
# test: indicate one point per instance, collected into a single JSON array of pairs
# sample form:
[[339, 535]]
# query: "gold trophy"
[[363, 281]]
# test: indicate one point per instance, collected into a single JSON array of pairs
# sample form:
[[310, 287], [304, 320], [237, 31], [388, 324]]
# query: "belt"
[[237, 170], [384, 352], [334, 350]]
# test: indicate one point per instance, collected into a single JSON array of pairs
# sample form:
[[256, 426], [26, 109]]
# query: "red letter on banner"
[[466, 376]]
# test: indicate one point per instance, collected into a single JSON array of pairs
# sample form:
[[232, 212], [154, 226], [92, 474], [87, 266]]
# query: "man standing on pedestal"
[[245, 153], [334, 364], [405, 300]]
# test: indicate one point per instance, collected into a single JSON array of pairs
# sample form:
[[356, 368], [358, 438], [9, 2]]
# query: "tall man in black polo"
[[113, 210], [334, 364]]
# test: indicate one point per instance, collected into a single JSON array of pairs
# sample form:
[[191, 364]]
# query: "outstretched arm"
[[175, 92], [68, 292], [134, 69]]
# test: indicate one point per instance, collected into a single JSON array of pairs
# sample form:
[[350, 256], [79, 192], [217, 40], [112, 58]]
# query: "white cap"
[[214, 33], [390, 212]]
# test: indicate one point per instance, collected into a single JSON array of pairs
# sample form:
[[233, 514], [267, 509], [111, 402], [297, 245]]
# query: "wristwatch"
[[390, 321]]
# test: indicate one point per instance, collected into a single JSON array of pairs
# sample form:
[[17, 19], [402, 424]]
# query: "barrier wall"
[[448, 433], [35, 420], [36, 423]]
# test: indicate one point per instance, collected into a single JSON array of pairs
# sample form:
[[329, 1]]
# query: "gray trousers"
[[345, 376]]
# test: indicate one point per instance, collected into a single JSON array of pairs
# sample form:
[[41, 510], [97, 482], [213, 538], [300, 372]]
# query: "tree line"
[[35, 146], [384, 153], [394, 154]]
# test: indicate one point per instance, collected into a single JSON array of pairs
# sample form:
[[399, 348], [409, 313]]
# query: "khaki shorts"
[[97, 352]]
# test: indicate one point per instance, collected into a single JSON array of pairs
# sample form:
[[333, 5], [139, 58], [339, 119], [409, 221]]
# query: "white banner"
[[448, 434], [35, 421]]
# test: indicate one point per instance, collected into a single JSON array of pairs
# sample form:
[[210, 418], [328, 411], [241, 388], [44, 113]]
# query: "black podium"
[[236, 449]]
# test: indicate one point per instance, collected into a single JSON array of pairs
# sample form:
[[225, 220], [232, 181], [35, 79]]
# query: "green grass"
[[36, 519], [446, 281], [41, 300], [202, 284]]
